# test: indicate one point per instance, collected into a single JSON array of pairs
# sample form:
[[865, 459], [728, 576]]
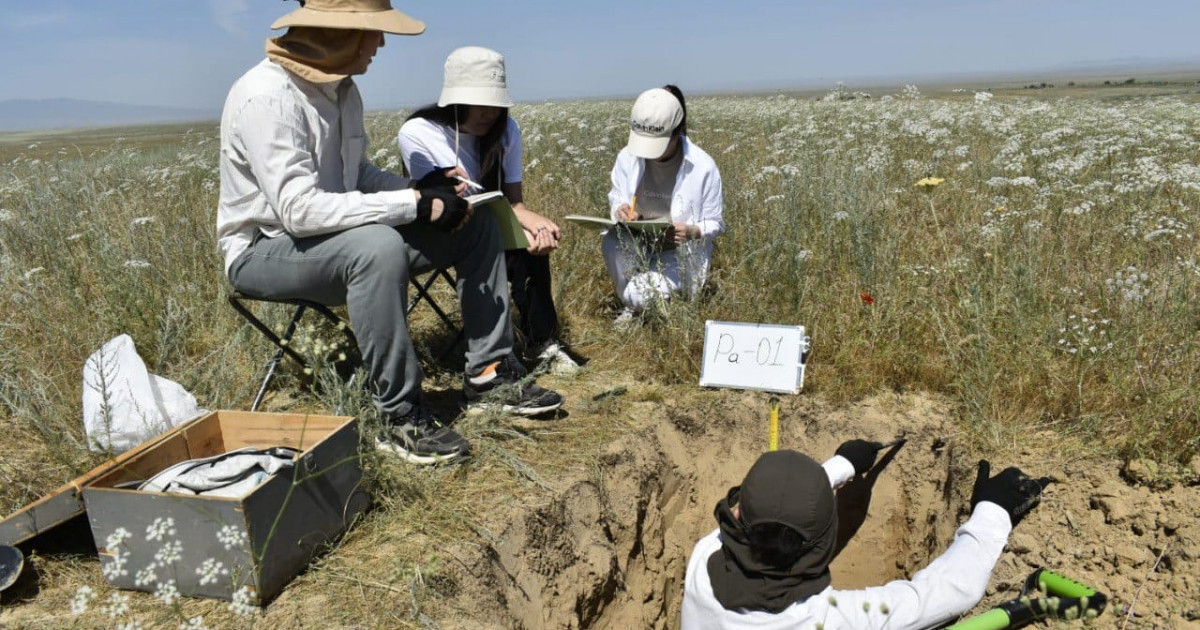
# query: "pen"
[[468, 182]]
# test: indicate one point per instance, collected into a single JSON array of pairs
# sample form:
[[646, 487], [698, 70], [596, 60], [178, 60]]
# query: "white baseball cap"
[[656, 114], [475, 76]]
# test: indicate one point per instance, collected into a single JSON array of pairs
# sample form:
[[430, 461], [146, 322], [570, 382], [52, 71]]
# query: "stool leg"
[[274, 364]]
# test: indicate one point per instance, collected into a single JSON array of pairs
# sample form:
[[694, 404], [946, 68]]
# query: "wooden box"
[[220, 547]]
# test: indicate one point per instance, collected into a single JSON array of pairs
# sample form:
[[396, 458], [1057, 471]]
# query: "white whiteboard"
[[754, 356]]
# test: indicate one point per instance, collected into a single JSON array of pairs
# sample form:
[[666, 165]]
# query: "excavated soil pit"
[[610, 551]]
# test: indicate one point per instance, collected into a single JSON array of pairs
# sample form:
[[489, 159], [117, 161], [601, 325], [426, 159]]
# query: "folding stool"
[[283, 343]]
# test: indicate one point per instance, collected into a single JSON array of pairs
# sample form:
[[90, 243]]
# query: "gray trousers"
[[367, 268]]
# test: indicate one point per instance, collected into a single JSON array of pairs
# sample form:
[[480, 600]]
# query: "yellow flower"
[[929, 183]]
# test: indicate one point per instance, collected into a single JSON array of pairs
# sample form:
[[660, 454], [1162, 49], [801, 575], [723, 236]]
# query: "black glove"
[[454, 209], [1012, 490], [860, 453], [436, 180]]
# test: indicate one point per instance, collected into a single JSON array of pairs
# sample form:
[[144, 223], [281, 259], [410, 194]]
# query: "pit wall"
[[611, 551]]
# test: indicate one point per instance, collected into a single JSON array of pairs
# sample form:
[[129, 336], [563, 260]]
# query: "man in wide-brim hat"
[[304, 215]]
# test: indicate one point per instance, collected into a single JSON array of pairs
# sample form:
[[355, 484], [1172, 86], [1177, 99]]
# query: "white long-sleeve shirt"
[[426, 145], [948, 587], [698, 199], [293, 160]]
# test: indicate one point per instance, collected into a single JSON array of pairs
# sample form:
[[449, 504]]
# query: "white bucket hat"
[[475, 76], [656, 114], [366, 15]]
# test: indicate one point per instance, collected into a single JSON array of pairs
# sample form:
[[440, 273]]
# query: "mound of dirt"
[[610, 550]]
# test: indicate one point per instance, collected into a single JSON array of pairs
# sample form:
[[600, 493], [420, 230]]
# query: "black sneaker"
[[512, 391], [418, 437]]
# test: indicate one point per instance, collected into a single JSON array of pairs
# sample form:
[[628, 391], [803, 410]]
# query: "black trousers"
[[529, 279]]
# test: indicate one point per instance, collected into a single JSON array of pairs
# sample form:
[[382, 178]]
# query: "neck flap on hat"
[[740, 581], [319, 55]]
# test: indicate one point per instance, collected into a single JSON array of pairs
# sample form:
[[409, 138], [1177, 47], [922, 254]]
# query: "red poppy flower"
[[866, 298]]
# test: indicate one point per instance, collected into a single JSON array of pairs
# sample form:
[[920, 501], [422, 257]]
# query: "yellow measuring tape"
[[774, 424]]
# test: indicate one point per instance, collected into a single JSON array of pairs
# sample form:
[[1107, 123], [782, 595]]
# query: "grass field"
[[1048, 283]]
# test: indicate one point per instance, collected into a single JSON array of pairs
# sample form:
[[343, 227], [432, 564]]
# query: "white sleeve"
[[513, 153], [418, 158], [620, 192], [712, 223], [276, 149], [839, 469], [945, 589]]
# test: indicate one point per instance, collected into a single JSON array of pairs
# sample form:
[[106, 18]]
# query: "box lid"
[[66, 502]]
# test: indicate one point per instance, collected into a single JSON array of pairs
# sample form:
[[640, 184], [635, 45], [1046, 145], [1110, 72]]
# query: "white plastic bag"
[[125, 405]]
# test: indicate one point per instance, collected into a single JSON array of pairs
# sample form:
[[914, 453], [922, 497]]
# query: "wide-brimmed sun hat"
[[656, 114], [475, 76], [367, 15]]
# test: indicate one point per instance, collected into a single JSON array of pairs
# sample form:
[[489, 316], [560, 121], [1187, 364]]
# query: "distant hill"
[[58, 113]]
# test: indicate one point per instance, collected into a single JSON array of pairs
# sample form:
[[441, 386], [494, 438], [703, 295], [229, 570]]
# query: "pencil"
[[633, 209], [468, 182]]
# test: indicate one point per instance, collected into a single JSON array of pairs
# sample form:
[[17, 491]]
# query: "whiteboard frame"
[[801, 361]]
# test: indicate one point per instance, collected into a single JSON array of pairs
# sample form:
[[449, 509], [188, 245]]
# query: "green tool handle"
[[1063, 597], [1059, 586], [994, 619]]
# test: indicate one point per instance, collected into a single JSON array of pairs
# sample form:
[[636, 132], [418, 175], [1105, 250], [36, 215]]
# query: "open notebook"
[[651, 225], [511, 232]]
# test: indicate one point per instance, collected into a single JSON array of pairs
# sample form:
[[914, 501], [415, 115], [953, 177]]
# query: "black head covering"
[[785, 488]]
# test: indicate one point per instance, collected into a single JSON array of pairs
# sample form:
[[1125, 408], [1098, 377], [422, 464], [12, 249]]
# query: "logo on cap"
[[644, 128]]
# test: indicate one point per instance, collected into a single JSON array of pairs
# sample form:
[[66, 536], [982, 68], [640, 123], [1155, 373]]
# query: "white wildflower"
[[146, 575], [136, 264], [167, 593], [116, 605], [210, 571], [117, 537], [244, 602], [160, 528], [83, 597], [169, 553]]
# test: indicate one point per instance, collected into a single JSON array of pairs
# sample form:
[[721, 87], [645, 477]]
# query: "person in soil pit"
[[661, 174], [304, 214], [470, 127], [766, 566]]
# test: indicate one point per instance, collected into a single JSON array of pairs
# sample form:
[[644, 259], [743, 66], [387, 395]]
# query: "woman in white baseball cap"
[[470, 127], [661, 174]]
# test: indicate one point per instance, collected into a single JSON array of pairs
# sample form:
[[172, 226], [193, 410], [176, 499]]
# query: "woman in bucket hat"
[[304, 215], [470, 128], [661, 174]]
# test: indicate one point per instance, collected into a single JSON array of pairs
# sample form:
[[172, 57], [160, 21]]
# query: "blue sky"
[[186, 54]]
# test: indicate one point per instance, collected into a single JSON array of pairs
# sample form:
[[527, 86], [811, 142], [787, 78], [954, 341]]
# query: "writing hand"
[[462, 190]]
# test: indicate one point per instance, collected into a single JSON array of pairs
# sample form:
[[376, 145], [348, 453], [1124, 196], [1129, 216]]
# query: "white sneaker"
[[559, 362], [624, 321]]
